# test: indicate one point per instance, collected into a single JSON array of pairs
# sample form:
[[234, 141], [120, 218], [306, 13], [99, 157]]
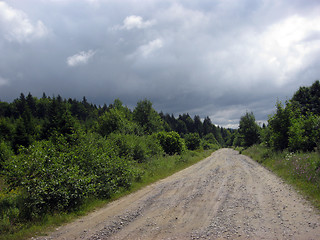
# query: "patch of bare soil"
[[225, 196]]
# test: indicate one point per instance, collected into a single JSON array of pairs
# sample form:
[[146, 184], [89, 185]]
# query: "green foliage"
[[56, 154], [21, 136], [111, 121], [307, 99], [116, 121], [59, 177], [147, 117], [279, 125], [210, 138], [138, 148], [265, 135], [59, 121], [192, 141], [248, 130], [210, 142], [296, 126], [205, 145], [197, 125], [49, 182], [304, 133], [9, 210], [171, 142], [5, 153], [237, 140], [6, 129]]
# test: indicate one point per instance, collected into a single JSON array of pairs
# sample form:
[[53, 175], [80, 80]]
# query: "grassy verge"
[[301, 170], [154, 170]]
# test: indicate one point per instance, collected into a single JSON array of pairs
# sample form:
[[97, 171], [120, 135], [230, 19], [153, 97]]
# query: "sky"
[[216, 58]]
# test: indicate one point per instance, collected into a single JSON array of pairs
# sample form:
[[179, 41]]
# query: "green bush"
[[59, 177], [138, 148], [304, 133], [210, 138], [206, 145], [171, 142], [48, 179], [192, 141]]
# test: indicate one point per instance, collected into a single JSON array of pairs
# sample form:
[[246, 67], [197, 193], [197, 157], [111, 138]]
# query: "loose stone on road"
[[225, 196]]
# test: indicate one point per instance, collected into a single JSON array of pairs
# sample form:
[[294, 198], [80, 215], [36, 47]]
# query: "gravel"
[[225, 196]]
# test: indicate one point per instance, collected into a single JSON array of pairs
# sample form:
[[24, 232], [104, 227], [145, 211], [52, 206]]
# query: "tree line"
[[28, 119], [294, 126], [56, 153]]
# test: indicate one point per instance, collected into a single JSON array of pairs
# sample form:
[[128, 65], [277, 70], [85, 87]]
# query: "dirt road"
[[225, 196]]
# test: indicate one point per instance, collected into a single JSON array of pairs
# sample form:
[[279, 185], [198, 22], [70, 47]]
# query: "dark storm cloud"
[[211, 58]]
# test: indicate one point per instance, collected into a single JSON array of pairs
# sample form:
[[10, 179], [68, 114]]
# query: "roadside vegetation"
[[61, 158], [290, 144], [300, 169]]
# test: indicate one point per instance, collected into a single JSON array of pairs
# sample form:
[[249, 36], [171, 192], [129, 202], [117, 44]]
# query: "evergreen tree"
[[207, 126], [31, 103], [188, 122], [181, 127], [21, 137], [6, 130], [197, 125]]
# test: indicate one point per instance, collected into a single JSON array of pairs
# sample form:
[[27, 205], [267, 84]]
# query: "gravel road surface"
[[225, 196]]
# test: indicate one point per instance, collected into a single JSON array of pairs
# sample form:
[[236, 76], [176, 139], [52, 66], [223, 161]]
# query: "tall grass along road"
[[225, 196]]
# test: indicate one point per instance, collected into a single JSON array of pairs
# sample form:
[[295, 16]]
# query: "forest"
[[57, 153]]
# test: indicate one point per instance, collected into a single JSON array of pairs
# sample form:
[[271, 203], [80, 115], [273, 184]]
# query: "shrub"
[[138, 148], [206, 145], [210, 138], [171, 142], [60, 176], [192, 141]]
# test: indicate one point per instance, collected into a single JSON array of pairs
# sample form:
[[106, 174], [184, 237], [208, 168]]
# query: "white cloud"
[[152, 46], [186, 18], [16, 26], [80, 58], [285, 45], [147, 49], [276, 54], [134, 21]]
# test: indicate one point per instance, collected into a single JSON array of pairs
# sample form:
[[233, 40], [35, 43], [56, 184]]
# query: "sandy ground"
[[225, 196]]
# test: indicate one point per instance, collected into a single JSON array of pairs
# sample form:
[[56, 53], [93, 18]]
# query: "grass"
[[154, 170], [301, 170]]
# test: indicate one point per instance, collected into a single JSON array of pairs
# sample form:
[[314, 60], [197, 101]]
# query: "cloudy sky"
[[216, 58]]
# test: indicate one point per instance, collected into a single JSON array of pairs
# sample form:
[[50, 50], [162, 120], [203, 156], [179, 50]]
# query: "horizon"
[[211, 58]]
